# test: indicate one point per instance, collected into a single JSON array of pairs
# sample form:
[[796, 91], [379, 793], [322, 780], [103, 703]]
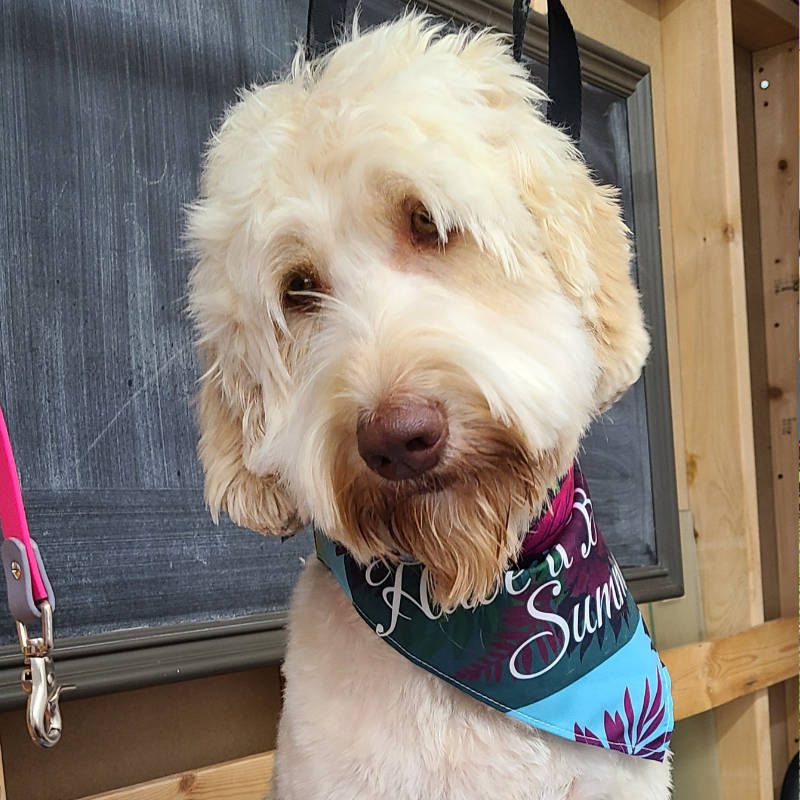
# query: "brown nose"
[[403, 438]]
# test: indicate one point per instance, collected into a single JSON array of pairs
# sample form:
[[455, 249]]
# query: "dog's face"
[[411, 300]]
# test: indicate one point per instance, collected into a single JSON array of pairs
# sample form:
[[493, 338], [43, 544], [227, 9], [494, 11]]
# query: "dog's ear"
[[231, 418], [588, 244], [584, 235]]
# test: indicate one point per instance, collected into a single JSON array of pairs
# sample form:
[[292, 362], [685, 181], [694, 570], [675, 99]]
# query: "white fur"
[[522, 326]]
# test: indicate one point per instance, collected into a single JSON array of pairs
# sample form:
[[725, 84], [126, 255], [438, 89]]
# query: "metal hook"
[[39, 681], [43, 715]]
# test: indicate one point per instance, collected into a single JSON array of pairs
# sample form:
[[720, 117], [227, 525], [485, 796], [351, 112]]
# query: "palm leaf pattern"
[[636, 735]]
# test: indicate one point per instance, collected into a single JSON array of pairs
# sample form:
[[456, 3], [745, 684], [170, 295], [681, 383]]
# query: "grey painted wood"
[[104, 109]]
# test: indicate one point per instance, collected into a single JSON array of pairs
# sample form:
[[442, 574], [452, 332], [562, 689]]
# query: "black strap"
[[519, 21], [564, 64], [324, 18]]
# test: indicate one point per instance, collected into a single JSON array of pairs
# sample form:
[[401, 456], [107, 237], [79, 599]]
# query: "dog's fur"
[[521, 321]]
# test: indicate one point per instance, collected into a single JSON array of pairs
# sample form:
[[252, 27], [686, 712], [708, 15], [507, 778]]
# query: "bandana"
[[560, 646]]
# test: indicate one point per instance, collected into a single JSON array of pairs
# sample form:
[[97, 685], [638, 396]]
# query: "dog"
[[411, 299]]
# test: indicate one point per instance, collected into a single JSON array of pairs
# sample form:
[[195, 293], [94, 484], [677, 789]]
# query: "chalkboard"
[[106, 106]]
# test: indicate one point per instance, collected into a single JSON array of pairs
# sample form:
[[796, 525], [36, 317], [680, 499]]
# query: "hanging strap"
[[564, 64]]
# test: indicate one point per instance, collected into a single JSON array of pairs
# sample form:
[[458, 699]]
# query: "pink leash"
[[30, 600]]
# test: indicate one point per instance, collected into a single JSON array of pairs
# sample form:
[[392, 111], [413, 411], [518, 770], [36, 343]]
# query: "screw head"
[[16, 570], [764, 84]]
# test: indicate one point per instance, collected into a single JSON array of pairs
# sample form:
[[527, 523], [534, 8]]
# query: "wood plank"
[[697, 51], [242, 779], [708, 674], [756, 327], [758, 24], [774, 86], [748, 177]]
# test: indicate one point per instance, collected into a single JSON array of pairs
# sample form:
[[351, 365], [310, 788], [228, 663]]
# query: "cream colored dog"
[[393, 242]]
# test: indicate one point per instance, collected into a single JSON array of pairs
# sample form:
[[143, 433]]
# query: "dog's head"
[[411, 299]]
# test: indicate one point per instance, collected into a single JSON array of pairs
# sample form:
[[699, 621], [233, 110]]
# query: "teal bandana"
[[561, 645]]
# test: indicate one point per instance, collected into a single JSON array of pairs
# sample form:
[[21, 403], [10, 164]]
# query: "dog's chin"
[[463, 521]]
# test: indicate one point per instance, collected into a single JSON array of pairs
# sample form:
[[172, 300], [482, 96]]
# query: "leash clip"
[[39, 681]]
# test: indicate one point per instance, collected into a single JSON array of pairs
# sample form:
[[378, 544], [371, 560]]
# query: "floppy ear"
[[588, 244], [585, 237], [231, 421]]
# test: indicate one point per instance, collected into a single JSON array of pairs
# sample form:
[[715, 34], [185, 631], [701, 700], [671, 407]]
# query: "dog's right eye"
[[301, 290]]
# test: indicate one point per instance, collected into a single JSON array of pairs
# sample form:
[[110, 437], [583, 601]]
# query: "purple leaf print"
[[645, 701], [636, 735], [615, 732], [585, 736], [516, 628], [629, 709]]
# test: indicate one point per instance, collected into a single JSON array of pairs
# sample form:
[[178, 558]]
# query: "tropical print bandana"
[[561, 646]]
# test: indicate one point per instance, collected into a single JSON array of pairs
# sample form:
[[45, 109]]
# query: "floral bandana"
[[561, 645]]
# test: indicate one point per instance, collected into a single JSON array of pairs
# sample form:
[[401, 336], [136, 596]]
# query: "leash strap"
[[26, 578], [564, 64], [30, 599]]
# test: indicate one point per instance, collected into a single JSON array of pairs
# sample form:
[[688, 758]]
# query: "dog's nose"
[[403, 438]]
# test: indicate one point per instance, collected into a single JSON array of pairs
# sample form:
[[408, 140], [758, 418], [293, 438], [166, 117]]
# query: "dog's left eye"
[[423, 228], [300, 289]]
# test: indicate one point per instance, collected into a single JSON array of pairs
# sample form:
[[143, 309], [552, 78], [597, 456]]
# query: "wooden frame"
[[697, 50]]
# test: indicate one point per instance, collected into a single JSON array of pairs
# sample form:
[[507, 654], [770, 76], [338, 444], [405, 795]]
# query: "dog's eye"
[[301, 290], [423, 228]]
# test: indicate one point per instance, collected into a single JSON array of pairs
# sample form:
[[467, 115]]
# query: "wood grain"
[[697, 49], [776, 124], [748, 175], [104, 111], [243, 779], [710, 673], [758, 24]]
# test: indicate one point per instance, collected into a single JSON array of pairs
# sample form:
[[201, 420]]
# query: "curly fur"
[[522, 324]]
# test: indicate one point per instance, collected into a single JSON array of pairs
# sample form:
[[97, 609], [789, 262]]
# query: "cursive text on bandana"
[[560, 645]]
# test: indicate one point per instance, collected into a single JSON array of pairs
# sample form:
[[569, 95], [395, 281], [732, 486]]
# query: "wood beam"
[[243, 779], [758, 24], [775, 103], [708, 674], [697, 52]]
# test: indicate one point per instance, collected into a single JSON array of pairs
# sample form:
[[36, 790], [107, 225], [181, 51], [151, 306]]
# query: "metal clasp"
[[39, 681]]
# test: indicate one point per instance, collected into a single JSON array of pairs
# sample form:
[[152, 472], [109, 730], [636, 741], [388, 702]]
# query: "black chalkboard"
[[106, 106]]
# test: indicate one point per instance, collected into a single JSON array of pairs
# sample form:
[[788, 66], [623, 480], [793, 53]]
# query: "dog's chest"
[[364, 722]]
